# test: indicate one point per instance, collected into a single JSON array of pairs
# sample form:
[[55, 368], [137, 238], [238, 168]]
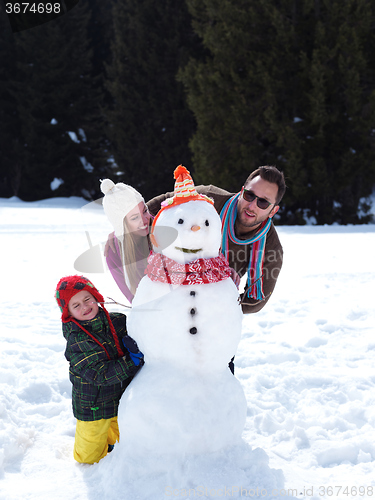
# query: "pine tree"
[[340, 109], [229, 91], [58, 107], [10, 140], [100, 30], [286, 83], [150, 124]]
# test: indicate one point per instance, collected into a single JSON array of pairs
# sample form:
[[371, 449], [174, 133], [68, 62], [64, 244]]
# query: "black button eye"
[[180, 221], [207, 223]]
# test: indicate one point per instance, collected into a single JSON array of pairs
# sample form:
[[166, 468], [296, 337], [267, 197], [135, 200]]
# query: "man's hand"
[[235, 277], [110, 244]]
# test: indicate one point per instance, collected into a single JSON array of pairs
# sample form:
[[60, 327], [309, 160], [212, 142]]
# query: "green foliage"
[[54, 95], [150, 123], [10, 144], [289, 83]]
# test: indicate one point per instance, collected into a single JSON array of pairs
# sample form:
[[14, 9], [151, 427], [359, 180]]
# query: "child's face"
[[83, 306]]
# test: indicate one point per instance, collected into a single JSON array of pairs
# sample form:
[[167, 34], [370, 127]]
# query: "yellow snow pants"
[[92, 439]]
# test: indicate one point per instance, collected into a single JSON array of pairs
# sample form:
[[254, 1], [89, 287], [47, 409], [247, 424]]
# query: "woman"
[[126, 210]]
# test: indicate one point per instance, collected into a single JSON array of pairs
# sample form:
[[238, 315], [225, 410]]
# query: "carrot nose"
[[195, 228]]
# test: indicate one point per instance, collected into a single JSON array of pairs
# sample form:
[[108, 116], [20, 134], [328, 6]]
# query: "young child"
[[100, 366]]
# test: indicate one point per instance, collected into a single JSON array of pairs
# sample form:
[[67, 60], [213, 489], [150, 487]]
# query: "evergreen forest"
[[129, 89]]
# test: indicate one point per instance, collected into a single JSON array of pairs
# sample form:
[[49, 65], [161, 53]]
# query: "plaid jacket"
[[98, 382]]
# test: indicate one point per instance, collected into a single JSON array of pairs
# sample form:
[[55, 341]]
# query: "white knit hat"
[[118, 200]]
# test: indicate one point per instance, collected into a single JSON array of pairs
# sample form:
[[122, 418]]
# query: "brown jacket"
[[239, 255]]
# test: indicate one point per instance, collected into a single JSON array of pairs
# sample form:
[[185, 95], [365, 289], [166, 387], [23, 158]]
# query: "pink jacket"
[[116, 268]]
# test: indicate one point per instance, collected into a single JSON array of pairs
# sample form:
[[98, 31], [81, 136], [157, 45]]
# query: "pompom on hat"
[[69, 286], [118, 200], [184, 191]]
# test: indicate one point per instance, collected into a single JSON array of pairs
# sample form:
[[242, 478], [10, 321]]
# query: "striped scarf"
[[258, 243]]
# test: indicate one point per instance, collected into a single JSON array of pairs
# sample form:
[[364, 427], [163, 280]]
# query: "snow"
[[56, 183], [73, 137], [82, 134], [86, 165], [305, 362]]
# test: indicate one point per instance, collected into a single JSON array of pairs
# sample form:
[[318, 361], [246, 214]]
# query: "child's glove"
[[131, 346]]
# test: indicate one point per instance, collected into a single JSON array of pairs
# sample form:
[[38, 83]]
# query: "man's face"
[[249, 215]]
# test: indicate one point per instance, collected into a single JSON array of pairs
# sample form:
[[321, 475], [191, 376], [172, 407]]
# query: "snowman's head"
[[198, 227], [189, 220]]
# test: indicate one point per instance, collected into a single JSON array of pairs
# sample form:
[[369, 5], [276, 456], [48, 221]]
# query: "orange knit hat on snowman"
[[184, 191]]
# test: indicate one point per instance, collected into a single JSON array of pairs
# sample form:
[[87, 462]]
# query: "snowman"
[[186, 318]]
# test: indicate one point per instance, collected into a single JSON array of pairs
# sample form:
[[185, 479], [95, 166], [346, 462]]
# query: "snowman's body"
[[185, 399]]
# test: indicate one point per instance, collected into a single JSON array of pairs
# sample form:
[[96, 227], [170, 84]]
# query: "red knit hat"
[[69, 286], [184, 191]]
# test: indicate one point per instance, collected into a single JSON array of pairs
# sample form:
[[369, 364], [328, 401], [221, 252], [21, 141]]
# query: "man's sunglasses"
[[249, 196]]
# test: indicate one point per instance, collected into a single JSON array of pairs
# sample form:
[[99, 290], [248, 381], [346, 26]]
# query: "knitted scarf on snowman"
[[258, 244], [198, 272]]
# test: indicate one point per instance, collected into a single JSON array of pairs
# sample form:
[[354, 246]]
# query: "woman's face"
[[138, 220]]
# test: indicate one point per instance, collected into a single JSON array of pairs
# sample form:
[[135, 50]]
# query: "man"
[[250, 240]]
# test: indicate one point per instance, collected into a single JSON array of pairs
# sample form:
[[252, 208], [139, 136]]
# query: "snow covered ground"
[[306, 362]]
